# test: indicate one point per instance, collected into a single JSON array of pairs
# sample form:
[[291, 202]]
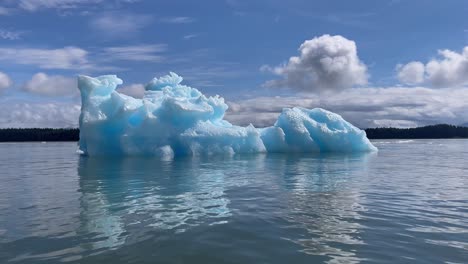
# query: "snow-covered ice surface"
[[175, 120]]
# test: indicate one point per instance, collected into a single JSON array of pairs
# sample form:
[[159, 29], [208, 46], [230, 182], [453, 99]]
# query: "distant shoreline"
[[426, 132], [72, 134]]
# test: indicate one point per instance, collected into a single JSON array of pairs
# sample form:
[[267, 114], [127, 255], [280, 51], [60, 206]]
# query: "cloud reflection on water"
[[128, 200]]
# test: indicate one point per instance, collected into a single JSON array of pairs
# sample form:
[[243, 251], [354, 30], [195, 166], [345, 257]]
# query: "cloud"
[[5, 11], [135, 53], [210, 74], [325, 63], [62, 58], [54, 85], [411, 73], [35, 114], [119, 24], [190, 36], [10, 35], [78, 59], [65, 7], [5, 81], [35, 5], [177, 20], [134, 90], [358, 20], [364, 107], [449, 70]]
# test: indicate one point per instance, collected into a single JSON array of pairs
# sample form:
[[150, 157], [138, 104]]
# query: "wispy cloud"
[[119, 24], [34, 5], [177, 20], [5, 11], [202, 68], [63, 7], [356, 20], [190, 36], [394, 2], [135, 53], [10, 35], [239, 13], [62, 58], [210, 75], [78, 59]]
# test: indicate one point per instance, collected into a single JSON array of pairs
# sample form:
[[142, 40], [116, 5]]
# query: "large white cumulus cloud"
[[449, 70], [325, 63], [411, 73]]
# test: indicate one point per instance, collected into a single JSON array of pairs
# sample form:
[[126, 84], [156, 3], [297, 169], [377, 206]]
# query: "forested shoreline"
[[72, 134], [39, 134], [434, 131]]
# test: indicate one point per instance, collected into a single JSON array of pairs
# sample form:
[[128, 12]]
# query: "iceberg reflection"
[[125, 199], [314, 200], [325, 203]]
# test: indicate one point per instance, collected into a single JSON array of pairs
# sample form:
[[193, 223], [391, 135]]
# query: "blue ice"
[[173, 119]]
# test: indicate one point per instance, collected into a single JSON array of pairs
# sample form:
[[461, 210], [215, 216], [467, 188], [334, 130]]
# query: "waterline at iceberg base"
[[177, 120]]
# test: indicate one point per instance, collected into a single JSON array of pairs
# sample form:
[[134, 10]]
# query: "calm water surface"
[[406, 204]]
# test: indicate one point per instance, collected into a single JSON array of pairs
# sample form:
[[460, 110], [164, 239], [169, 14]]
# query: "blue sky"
[[240, 50]]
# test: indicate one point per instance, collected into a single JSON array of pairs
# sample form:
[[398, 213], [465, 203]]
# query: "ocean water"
[[408, 203]]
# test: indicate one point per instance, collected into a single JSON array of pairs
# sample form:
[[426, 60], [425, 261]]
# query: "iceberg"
[[177, 120]]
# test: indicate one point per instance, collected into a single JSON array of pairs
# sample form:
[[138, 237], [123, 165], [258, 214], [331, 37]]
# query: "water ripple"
[[408, 203]]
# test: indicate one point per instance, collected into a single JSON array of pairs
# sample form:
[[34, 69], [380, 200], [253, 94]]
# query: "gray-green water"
[[406, 204]]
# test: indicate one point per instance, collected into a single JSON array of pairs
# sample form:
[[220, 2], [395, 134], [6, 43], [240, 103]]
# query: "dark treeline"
[[39, 134], [72, 134], [435, 131]]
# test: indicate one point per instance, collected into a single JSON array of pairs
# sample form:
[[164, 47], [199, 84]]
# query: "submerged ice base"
[[176, 120]]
